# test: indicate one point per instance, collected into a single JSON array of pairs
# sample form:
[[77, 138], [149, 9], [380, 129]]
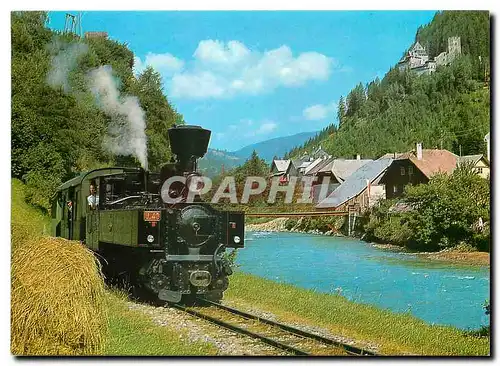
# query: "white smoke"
[[126, 132], [63, 62]]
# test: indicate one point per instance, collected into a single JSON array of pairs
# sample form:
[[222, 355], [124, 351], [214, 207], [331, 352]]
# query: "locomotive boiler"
[[147, 230]]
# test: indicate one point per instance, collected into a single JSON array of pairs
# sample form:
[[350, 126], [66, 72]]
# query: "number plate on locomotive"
[[152, 215]]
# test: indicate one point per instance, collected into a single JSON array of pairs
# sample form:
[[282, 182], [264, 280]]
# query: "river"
[[436, 292]]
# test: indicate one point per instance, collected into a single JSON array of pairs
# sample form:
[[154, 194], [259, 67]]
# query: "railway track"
[[285, 339]]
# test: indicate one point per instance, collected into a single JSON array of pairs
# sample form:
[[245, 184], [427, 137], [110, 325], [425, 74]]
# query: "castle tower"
[[454, 46]]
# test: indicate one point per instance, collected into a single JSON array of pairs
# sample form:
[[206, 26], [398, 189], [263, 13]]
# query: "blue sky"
[[252, 76]]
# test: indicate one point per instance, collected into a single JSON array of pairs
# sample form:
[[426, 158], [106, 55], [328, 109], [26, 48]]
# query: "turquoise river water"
[[436, 292]]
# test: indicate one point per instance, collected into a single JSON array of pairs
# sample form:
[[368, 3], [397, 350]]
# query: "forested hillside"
[[76, 105], [448, 109], [215, 161]]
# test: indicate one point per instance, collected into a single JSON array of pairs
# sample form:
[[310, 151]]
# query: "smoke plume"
[[126, 132], [64, 60]]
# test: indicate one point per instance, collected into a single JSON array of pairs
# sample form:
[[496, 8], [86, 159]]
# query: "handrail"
[[292, 214]]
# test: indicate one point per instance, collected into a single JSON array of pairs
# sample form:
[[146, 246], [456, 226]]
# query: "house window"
[[480, 170], [402, 170], [410, 170], [395, 189]]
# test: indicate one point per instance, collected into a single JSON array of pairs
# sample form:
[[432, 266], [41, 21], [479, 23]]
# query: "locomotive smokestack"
[[188, 143]]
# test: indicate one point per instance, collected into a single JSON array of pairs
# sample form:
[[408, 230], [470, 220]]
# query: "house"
[[332, 173], [302, 167], [341, 169], [360, 190], [313, 171], [284, 169], [320, 153], [416, 167], [279, 167], [478, 162], [313, 164]]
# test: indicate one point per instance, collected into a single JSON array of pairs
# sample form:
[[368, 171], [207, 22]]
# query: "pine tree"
[[341, 111]]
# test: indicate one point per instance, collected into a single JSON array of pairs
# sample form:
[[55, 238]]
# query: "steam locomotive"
[[146, 229]]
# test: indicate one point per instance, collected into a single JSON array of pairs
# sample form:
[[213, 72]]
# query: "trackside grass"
[[132, 333], [396, 334], [26, 221]]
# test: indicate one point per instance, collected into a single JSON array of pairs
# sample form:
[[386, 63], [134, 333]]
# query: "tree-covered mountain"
[[278, 146], [448, 109], [60, 123], [215, 160]]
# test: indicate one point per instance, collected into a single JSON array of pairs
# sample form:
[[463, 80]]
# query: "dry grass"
[[57, 299], [57, 294]]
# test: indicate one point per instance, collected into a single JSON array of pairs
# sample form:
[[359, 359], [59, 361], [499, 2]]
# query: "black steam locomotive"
[[146, 229]]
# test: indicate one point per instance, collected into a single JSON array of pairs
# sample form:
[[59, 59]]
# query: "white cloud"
[[221, 70], [263, 128], [251, 128], [319, 111], [165, 63], [217, 52], [200, 85], [266, 128], [315, 112]]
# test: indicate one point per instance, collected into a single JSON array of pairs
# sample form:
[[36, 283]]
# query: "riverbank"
[[364, 325], [446, 255], [282, 224]]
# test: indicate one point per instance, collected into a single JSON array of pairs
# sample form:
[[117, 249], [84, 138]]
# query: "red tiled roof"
[[433, 161]]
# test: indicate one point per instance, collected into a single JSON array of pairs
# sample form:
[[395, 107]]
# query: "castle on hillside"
[[417, 59]]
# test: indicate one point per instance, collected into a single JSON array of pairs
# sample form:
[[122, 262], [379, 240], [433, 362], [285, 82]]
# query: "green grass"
[[22, 212], [132, 333], [396, 334], [26, 221]]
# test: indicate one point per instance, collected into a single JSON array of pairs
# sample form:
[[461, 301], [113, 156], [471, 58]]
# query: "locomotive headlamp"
[[237, 239], [151, 238]]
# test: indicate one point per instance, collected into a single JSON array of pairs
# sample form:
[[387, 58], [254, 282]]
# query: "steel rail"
[[240, 330], [348, 348]]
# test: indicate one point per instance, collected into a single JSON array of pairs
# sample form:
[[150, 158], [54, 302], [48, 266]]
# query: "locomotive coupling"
[[200, 278]]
